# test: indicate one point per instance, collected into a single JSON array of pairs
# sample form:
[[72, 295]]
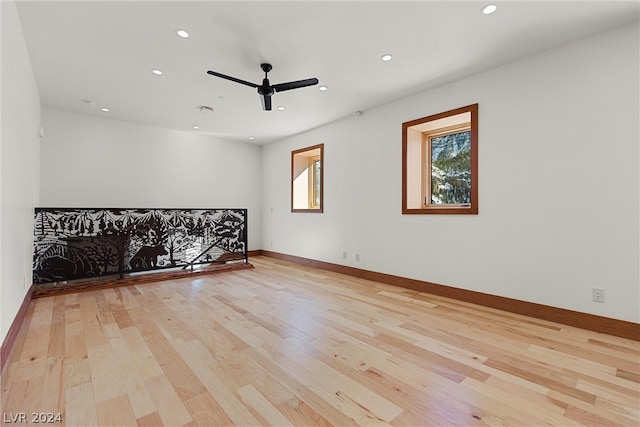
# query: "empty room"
[[320, 213]]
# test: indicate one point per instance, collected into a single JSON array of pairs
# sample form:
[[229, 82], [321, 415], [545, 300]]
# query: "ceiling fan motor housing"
[[266, 88]]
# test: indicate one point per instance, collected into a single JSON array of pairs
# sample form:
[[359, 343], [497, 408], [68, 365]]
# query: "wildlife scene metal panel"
[[75, 243]]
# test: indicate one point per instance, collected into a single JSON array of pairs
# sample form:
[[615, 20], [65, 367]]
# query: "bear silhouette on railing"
[[147, 257]]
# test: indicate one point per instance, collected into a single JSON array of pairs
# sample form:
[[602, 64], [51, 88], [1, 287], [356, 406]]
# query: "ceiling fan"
[[266, 89]]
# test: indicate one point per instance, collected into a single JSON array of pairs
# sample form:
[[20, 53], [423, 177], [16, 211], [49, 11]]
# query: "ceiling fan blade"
[[281, 87], [233, 79], [266, 102]]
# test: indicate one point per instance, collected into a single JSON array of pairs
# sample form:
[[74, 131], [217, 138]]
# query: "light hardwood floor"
[[283, 344]]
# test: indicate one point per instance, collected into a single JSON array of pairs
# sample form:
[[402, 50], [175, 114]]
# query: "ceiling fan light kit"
[[266, 90]]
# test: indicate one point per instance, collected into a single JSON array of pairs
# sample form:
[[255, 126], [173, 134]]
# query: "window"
[[440, 163], [307, 179]]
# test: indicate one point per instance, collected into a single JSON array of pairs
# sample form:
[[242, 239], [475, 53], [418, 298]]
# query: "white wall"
[[91, 161], [558, 184], [19, 168]]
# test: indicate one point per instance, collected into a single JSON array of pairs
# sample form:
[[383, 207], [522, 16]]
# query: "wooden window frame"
[[427, 207], [426, 162], [311, 160], [312, 181]]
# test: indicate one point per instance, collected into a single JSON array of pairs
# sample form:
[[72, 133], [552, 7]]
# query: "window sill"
[[444, 210], [306, 210]]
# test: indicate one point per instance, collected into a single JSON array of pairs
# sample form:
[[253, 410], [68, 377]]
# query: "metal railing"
[[80, 243]]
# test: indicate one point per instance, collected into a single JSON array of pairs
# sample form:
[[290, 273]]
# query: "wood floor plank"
[[301, 414], [24, 396], [80, 406], [115, 412], [205, 411], [56, 346], [91, 323], [139, 397], [521, 410], [106, 376], [169, 407], [284, 344], [358, 402], [254, 399], [53, 380], [302, 389], [151, 420], [180, 375], [76, 372], [227, 400]]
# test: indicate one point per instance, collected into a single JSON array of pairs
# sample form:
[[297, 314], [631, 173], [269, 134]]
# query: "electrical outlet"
[[357, 257], [344, 255], [598, 294]]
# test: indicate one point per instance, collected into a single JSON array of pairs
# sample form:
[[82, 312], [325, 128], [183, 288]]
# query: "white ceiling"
[[104, 51]]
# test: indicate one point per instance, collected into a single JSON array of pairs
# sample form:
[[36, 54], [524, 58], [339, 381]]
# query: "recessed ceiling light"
[[281, 108], [323, 88], [489, 9], [196, 127], [106, 110], [156, 72], [182, 33], [252, 138], [386, 57]]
